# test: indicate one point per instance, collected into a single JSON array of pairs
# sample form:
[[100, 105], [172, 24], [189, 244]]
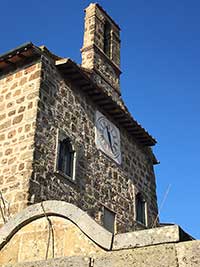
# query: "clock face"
[[107, 137]]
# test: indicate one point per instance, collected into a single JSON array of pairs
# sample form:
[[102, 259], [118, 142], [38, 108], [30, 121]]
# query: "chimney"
[[101, 47]]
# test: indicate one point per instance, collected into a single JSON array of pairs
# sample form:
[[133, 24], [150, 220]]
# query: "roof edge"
[[18, 49], [67, 65]]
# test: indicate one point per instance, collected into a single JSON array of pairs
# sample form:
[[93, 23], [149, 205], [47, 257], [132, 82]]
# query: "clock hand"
[[109, 139]]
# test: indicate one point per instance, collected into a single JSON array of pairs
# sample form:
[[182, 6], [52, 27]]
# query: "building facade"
[[67, 135]]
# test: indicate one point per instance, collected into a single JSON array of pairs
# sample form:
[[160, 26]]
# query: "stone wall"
[[99, 180], [34, 242], [105, 76], [164, 255], [56, 229], [36, 103], [93, 55], [51, 229], [19, 94], [95, 18]]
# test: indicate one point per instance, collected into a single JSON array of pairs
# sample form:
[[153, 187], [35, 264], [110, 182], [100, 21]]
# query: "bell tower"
[[101, 49]]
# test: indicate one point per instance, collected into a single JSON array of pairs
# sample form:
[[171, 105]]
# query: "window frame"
[[61, 136], [141, 198], [113, 230]]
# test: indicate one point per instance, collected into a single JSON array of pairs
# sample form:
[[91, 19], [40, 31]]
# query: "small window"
[[109, 220], [140, 209], [65, 161], [107, 39]]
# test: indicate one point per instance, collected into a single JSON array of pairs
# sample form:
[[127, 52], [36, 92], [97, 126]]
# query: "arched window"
[[65, 163], [140, 209]]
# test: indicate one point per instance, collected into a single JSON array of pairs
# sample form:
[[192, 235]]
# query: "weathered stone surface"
[[188, 254], [69, 231], [36, 103], [164, 255], [61, 262], [17, 143], [106, 67], [99, 180], [88, 226], [159, 256], [167, 234], [36, 241]]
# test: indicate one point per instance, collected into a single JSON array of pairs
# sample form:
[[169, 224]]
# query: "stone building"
[[67, 135], [73, 159]]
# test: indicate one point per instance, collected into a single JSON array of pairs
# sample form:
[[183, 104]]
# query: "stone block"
[[160, 235], [154, 256], [188, 254], [164, 255]]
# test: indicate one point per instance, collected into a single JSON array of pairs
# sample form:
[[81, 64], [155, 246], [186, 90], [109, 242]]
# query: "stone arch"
[[84, 222]]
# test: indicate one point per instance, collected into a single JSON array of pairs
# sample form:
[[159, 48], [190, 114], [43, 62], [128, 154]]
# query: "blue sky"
[[160, 83]]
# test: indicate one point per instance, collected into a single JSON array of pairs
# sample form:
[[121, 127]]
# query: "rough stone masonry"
[[39, 101], [48, 108]]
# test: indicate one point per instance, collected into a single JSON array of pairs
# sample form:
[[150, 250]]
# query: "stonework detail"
[[60, 189], [46, 104], [99, 180], [18, 110], [38, 101], [163, 255], [98, 234], [94, 57], [97, 79], [33, 243], [53, 229], [106, 70]]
